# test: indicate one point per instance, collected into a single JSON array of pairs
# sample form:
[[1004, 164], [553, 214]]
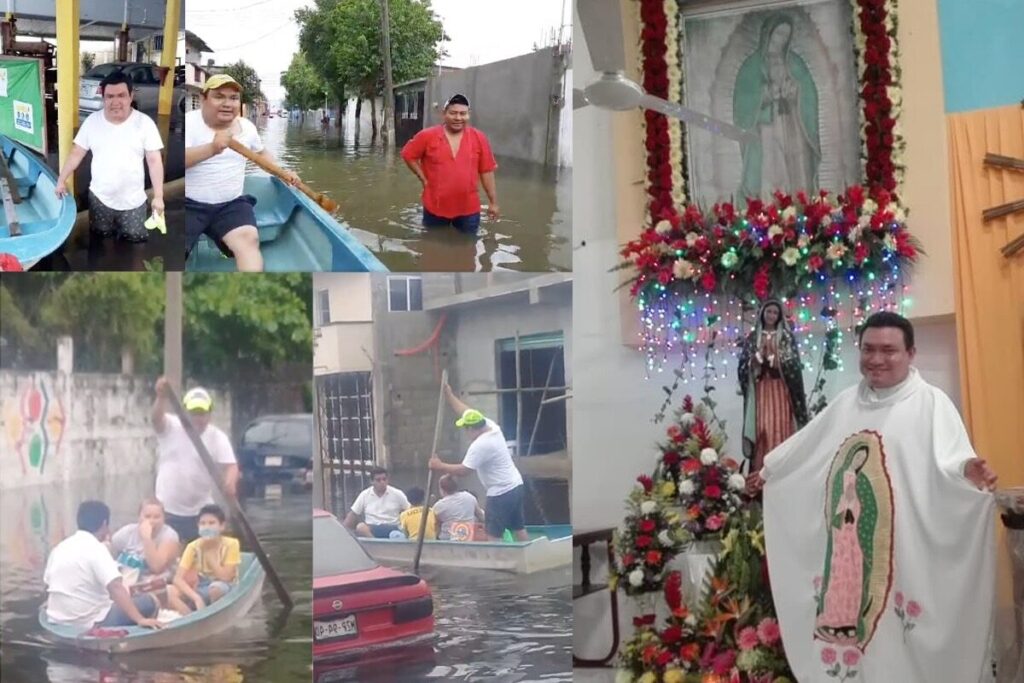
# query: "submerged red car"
[[359, 607]]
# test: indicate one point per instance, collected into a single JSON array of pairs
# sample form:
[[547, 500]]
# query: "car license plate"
[[272, 491], [339, 628], [87, 90], [273, 461]]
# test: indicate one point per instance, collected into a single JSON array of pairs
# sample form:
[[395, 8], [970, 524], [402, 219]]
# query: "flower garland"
[[653, 48]]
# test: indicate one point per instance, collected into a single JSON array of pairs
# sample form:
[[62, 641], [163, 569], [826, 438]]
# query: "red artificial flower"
[[861, 252], [643, 542], [762, 283], [674, 590], [855, 195], [672, 635], [670, 459], [711, 475], [628, 559], [674, 431], [722, 662], [646, 482], [665, 276], [664, 658], [707, 280], [693, 511], [653, 557], [691, 465], [650, 653], [713, 491], [815, 263], [648, 525], [689, 652]]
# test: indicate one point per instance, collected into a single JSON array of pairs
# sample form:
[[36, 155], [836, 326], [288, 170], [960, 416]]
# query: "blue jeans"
[[147, 604], [465, 224], [206, 584]]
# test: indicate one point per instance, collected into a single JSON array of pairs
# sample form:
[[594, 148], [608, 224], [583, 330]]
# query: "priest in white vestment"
[[879, 527]]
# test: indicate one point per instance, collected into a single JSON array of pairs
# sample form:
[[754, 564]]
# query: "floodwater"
[[260, 648], [490, 626], [380, 202]]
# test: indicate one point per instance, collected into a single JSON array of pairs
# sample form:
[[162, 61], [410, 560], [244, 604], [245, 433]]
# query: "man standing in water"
[[878, 519], [183, 484], [488, 456], [120, 138], [448, 159], [214, 175]]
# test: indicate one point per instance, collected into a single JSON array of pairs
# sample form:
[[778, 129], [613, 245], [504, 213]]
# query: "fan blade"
[[579, 99], [601, 21], [687, 115]]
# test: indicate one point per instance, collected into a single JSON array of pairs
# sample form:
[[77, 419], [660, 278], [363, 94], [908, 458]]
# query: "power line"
[[229, 9], [254, 40]]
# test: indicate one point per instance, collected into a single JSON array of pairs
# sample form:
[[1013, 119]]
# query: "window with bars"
[[346, 424], [540, 427], [323, 307], [405, 293]]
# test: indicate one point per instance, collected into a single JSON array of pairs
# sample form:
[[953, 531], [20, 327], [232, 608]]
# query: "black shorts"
[[128, 224], [505, 512], [466, 224], [186, 527], [217, 220]]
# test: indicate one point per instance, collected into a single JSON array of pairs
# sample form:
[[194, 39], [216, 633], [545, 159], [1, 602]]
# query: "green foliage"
[[242, 325], [304, 87], [247, 78], [88, 60], [342, 41]]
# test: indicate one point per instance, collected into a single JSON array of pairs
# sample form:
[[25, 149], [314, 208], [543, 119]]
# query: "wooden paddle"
[[430, 475], [325, 202], [236, 509]]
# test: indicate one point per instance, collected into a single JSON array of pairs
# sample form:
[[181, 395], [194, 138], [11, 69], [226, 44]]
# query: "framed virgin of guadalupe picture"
[[783, 71]]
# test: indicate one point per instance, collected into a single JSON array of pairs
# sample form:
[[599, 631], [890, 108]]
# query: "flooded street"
[[380, 202], [258, 649]]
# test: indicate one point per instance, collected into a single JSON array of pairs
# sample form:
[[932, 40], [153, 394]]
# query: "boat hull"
[[296, 235], [540, 553], [45, 219], [220, 616]]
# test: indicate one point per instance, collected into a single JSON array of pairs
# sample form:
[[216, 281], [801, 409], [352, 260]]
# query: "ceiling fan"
[[602, 26]]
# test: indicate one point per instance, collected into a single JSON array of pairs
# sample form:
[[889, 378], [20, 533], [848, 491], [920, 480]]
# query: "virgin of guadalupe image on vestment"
[[858, 555]]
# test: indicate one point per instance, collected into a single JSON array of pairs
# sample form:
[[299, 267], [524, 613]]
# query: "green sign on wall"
[[22, 104]]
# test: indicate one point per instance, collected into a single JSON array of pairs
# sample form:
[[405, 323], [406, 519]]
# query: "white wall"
[[613, 404]]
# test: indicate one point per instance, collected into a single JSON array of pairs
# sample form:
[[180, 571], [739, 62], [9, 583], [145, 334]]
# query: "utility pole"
[[173, 369], [389, 97]]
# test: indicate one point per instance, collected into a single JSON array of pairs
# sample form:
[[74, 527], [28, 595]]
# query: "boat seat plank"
[[27, 228]]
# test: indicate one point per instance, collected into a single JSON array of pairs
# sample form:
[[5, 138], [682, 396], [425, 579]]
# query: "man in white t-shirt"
[[379, 506], [457, 512], [83, 583], [183, 484], [489, 457], [119, 137], [214, 175]]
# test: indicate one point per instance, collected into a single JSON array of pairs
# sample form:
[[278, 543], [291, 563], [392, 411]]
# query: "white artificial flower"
[[737, 482], [686, 487], [895, 94], [790, 256], [870, 206], [708, 456], [702, 411], [690, 620], [789, 212], [683, 269], [665, 538], [648, 506], [855, 233], [687, 420], [835, 251], [826, 221], [864, 221], [803, 240], [774, 230], [636, 577], [691, 238], [663, 227], [899, 215], [889, 241]]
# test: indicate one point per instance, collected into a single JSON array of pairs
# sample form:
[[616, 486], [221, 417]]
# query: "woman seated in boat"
[[208, 567], [409, 521], [457, 512], [146, 550]]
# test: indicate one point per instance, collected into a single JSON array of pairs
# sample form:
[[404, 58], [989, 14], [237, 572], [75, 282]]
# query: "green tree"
[[243, 326], [248, 79], [304, 87], [88, 60], [342, 41]]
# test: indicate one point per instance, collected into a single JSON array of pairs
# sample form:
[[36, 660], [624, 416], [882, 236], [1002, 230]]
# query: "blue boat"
[[549, 547], [198, 625], [296, 235], [45, 220]]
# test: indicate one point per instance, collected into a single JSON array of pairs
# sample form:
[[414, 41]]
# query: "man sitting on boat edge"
[[489, 457], [380, 507], [83, 583]]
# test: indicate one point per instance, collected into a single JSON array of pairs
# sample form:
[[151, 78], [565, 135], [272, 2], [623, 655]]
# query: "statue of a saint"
[[772, 384], [775, 96]]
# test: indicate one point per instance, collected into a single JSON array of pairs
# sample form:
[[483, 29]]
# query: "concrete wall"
[[513, 103], [346, 343]]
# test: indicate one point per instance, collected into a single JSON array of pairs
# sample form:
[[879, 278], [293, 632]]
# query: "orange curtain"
[[989, 287]]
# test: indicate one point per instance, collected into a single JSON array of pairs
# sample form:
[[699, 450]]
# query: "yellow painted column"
[[67, 80], [167, 58]]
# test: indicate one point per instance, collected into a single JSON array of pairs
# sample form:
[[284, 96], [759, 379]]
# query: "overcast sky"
[[263, 33]]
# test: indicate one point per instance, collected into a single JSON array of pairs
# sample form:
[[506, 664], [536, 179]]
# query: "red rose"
[[713, 491], [691, 465], [647, 525], [861, 252], [665, 276], [653, 557], [711, 475], [664, 658], [628, 559], [815, 263], [643, 542], [672, 635]]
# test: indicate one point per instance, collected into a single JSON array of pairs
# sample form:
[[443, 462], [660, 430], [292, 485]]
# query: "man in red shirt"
[[448, 159]]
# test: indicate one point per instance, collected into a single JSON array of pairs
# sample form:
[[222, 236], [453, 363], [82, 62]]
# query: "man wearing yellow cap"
[[183, 484], [214, 175], [489, 457]]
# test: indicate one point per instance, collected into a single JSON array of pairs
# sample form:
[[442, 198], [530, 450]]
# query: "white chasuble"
[[881, 554]]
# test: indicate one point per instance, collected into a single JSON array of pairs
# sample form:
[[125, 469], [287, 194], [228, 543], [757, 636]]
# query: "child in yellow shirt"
[[409, 521], [208, 567]]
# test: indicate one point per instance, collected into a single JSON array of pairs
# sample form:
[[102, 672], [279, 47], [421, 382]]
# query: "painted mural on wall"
[[35, 423]]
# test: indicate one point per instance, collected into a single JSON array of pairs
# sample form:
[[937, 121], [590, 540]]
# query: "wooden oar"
[[325, 202], [10, 213], [430, 475], [11, 180], [236, 509]]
